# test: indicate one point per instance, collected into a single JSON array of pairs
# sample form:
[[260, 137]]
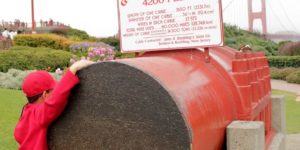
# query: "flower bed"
[[92, 51]]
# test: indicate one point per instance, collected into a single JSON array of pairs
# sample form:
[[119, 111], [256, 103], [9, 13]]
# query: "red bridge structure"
[[261, 17]]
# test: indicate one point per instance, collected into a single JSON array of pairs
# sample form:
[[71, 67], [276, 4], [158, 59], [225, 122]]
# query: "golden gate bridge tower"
[[257, 15], [261, 15]]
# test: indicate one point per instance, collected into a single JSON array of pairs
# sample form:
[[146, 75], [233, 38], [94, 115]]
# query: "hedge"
[[34, 59], [291, 75], [290, 49], [294, 77], [284, 61], [282, 73], [77, 34], [13, 79], [43, 40]]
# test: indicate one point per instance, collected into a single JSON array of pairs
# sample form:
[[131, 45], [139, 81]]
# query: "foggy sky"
[[99, 17]]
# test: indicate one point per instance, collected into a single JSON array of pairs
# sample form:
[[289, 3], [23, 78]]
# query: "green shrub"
[[284, 61], [13, 79], [294, 77], [290, 49], [281, 43], [21, 48], [43, 40], [75, 38], [112, 41], [59, 31], [77, 34], [119, 55], [291, 75], [235, 37], [281, 74], [34, 58]]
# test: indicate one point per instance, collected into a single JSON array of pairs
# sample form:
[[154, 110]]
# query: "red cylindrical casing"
[[210, 94]]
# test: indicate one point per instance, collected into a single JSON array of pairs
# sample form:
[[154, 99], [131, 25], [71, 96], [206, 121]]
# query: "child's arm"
[[55, 104]]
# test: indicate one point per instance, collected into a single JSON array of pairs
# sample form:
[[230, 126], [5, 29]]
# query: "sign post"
[[153, 25], [32, 17]]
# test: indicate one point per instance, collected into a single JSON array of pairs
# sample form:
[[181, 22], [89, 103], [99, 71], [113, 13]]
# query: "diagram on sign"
[[149, 25]]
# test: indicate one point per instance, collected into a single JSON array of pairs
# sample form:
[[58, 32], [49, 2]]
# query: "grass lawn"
[[292, 109], [12, 101]]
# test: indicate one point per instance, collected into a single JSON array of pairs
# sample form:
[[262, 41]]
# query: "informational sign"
[[150, 25]]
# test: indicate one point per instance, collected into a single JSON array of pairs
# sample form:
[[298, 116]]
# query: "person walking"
[[12, 34], [6, 39], [5, 33]]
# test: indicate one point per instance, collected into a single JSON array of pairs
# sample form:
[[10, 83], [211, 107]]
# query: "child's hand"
[[79, 65]]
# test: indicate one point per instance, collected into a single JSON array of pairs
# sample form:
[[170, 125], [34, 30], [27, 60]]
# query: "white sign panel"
[[149, 25]]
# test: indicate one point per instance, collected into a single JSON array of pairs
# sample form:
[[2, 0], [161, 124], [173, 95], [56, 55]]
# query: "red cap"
[[37, 82]]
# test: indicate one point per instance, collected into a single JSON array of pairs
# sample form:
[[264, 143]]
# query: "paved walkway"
[[292, 140], [284, 86]]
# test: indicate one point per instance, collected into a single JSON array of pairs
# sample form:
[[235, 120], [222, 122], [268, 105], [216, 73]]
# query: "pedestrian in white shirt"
[[12, 34], [5, 33]]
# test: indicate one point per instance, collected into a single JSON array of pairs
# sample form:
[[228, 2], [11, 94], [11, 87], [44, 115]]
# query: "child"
[[46, 100]]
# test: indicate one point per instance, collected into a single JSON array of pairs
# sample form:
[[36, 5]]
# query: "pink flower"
[[91, 54]]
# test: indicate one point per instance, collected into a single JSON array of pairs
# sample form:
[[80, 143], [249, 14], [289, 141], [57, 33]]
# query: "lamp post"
[[32, 15]]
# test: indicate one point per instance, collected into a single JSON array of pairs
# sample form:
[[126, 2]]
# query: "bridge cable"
[[273, 12], [228, 5], [287, 16]]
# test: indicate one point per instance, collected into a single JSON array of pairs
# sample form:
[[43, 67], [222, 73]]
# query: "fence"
[[26, 27]]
